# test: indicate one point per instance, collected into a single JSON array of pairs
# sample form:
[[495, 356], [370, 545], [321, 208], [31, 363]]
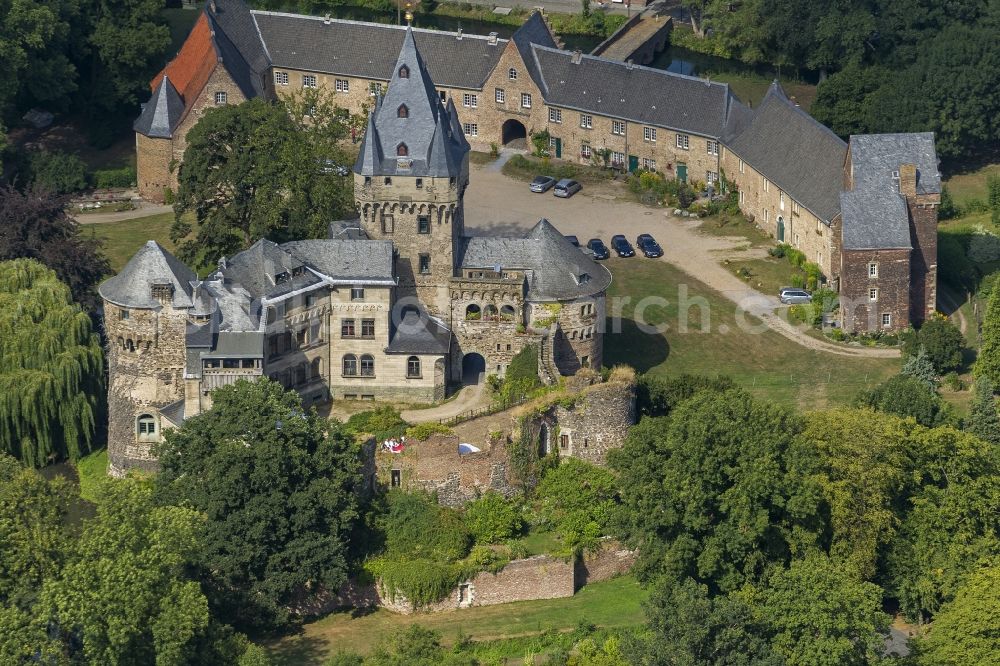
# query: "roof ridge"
[[794, 107], [431, 31]]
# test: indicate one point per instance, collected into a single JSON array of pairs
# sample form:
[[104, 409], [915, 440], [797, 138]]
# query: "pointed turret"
[[410, 132], [161, 113]]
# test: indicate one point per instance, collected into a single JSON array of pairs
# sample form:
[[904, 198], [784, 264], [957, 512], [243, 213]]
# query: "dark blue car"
[[648, 246], [600, 250], [621, 245]]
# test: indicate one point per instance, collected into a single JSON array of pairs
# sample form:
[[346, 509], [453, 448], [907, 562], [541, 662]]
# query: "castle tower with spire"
[[410, 179]]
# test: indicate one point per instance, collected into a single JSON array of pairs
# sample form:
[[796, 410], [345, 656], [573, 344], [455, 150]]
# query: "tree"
[[51, 368], [577, 499], [57, 172], [988, 362], [919, 366], [36, 226], [258, 170], [966, 632], [821, 614], [277, 487], [492, 518], [706, 493], [983, 420], [943, 343], [993, 196], [904, 395], [657, 395], [416, 646], [688, 627]]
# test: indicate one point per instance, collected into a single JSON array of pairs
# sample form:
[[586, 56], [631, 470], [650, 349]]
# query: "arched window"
[[490, 312], [145, 426], [129, 345], [507, 313], [402, 111], [350, 365], [121, 342], [404, 72], [367, 365], [316, 368], [472, 312], [402, 150], [413, 367], [512, 74]]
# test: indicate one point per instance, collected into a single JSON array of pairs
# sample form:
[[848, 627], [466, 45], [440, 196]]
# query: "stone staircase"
[[547, 370]]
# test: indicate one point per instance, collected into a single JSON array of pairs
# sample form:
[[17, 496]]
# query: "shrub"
[[108, 178], [919, 367], [577, 499], [383, 422], [947, 208], [905, 396], [492, 518], [658, 396], [415, 526], [943, 344], [778, 251], [57, 171], [954, 382], [988, 363], [796, 258], [422, 431]]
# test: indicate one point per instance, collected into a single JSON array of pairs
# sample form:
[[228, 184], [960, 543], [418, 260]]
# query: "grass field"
[[971, 184], [90, 470], [122, 239], [612, 604], [767, 364], [767, 275]]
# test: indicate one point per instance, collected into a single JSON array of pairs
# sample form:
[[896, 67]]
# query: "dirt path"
[[470, 397], [498, 205], [144, 209], [947, 299]]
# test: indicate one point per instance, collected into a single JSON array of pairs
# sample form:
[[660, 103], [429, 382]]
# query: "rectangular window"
[[368, 328], [221, 98], [423, 224], [425, 264], [413, 367], [357, 293], [873, 270], [683, 141], [618, 159], [314, 332], [500, 96], [552, 141], [711, 176], [308, 80], [347, 328], [649, 134], [586, 121], [342, 85], [618, 127], [281, 78], [396, 478], [388, 223], [781, 200], [585, 151], [555, 115], [767, 183], [886, 320], [420, 183], [712, 147], [819, 227], [795, 208], [742, 167], [742, 197], [767, 216], [387, 180], [123, 314], [873, 295], [795, 240], [374, 88], [470, 129], [648, 164], [470, 101], [525, 99]]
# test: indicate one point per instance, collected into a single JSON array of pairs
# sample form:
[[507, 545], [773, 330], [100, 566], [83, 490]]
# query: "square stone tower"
[[410, 179]]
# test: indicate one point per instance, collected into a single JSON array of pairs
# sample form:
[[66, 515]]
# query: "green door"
[[781, 230], [633, 163], [682, 172], [558, 147]]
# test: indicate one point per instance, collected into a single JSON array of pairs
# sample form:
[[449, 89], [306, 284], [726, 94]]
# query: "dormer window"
[[402, 150], [404, 72], [402, 111]]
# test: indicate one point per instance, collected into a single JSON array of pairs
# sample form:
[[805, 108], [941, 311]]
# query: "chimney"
[[162, 290], [629, 64], [214, 8], [908, 180], [493, 38], [458, 35], [326, 20], [577, 57]]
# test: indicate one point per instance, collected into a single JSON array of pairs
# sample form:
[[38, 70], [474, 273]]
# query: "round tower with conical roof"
[[146, 310]]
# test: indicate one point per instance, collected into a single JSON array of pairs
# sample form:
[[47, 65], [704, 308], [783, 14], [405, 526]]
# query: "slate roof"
[[369, 50], [239, 44], [795, 152], [420, 333], [874, 212], [349, 261], [131, 288], [635, 93], [427, 130], [534, 31], [241, 344], [162, 112], [556, 269], [257, 270], [174, 412]]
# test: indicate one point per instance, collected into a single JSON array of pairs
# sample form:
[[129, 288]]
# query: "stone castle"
[[392, 307]]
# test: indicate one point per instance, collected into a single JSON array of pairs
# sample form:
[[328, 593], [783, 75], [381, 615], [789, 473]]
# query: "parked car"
[[566, 188], [597, 246], [574, 240], [794, 296], [542, 183], [648, 245], [621, 245]]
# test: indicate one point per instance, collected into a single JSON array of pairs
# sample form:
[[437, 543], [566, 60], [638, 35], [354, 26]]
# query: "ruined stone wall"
[[609, 561], [146, 360], [597, 422]]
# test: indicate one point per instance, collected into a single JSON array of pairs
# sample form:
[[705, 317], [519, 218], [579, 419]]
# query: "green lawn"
[[122, 239], [766, 363], [970, 184], [612, 604], [766, 275], [91, 470]]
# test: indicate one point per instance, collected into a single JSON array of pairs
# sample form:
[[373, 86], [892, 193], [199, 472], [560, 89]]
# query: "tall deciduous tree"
[[35, 226], [51, 367], [983, 421], [988, 362], [943, 342], [967, 631], [277, 485], [905, 395], [261, 170]]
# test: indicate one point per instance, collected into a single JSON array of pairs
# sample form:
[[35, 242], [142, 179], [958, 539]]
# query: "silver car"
[[542, 183], [794, 296], [566, 188]]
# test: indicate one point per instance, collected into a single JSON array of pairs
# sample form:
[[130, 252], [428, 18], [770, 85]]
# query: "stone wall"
[[597, 423], [609, 561], [152, 166], [858, 311]]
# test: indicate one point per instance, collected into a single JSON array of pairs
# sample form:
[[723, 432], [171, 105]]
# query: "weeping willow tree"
[[51, 367]]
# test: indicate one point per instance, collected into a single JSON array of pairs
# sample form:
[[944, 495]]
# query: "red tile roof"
[[190, 70]]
